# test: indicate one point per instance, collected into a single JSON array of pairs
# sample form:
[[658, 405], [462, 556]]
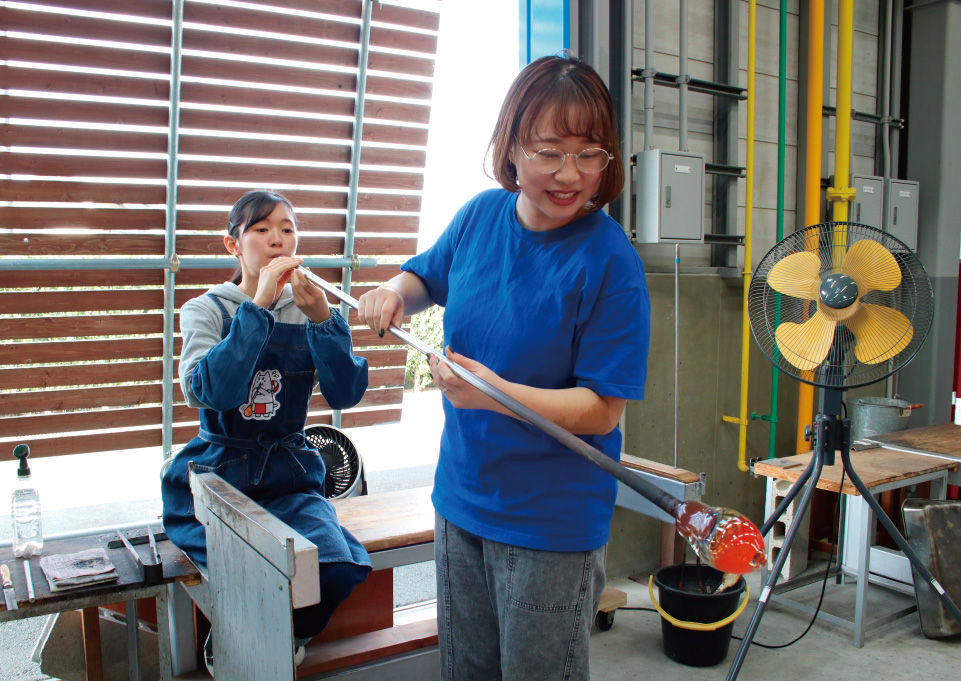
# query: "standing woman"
[[545, 298], [253, 349]]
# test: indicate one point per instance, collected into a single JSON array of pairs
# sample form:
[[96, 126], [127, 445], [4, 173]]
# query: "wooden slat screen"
[[267, 100]]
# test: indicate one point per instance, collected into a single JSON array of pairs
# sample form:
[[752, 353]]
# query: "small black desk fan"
[[837, 305], [345, 467]]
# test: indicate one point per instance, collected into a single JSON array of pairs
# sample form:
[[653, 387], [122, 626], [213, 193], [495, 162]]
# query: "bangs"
[[259, 210], [571, 112], [253, 207]]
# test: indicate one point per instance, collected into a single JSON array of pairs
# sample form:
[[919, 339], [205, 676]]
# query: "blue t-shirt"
[[557, 309]]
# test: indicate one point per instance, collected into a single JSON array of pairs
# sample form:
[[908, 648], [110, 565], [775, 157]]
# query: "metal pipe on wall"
[[781, 152], [170, 228], [841, 194], [34, 264], [683, 78], [627, 110], [742, 420], [648, 74], [885, 109], [891, 382], [356, 149]]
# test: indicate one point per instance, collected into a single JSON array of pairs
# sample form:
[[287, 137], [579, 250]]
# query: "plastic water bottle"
[[25, 509]]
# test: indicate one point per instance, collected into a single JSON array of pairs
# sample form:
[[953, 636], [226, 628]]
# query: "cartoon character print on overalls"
[[239, 449], [262, 402]]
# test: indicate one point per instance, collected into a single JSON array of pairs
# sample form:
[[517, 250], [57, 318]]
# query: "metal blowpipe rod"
[[658, 497]]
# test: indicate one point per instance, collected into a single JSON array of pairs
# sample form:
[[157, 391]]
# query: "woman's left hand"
[[461, 393], [309, 297]]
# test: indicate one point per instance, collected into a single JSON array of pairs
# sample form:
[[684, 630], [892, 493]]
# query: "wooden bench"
[[260, 569]]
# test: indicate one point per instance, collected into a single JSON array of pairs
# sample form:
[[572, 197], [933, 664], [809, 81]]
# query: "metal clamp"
[[847, 195], [174, 264]]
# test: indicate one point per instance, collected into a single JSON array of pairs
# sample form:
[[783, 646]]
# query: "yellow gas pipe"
[[742, 420], [812, 180], [841, 194]]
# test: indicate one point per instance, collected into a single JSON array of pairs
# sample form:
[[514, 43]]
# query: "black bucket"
[[688, 609]]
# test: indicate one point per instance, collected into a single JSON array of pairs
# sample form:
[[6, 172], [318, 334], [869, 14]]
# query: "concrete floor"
[[633, 648], [401, 456]]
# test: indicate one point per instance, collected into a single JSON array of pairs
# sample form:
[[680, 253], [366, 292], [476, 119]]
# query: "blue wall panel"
[[545, 28]]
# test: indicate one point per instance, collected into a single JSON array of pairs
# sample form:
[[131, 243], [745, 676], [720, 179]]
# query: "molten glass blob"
[[724, 539]]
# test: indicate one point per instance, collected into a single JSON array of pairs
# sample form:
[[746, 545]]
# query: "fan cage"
[[767, 308], [341, 459]]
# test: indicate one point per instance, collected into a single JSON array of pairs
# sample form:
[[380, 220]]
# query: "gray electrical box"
[[902, 211], [868, 206], [670, 197]]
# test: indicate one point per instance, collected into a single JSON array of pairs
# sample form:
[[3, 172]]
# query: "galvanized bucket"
[[879, 415]]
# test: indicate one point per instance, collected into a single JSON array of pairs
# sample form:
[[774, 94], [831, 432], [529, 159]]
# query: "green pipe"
[[781, 102], [782, 115]]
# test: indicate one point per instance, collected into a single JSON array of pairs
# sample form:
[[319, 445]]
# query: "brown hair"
[[250, 209], [578, 100]]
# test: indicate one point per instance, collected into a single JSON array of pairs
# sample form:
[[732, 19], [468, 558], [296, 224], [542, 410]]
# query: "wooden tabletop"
[[874, 466], [661, 469], [944, 439], [389, 520], [176, 568]]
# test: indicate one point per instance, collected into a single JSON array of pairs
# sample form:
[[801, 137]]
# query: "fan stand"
[[831, 434]]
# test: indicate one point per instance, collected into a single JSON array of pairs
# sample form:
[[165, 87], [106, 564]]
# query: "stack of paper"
[[75, 570]]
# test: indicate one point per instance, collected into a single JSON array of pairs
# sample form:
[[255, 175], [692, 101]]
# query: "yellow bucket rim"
[[698, 626]]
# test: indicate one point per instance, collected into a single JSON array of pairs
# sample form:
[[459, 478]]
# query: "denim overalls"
[[260, 449]]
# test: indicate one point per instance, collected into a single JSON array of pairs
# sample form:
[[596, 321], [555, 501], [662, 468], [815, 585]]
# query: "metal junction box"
[[902, 211], [868, 207], [670, 197]]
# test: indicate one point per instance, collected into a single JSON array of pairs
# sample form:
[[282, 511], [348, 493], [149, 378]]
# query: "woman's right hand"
[[273, 277], [380, 308]]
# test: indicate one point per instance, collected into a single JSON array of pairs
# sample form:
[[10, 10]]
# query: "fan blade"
[[806, 345], [797, 275], [881, 332], [872, 266]]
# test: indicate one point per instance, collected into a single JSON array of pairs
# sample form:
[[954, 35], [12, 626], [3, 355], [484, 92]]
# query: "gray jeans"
[[513, 614]]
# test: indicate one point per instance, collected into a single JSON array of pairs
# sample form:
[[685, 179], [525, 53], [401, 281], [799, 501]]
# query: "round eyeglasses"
[[549, 161]]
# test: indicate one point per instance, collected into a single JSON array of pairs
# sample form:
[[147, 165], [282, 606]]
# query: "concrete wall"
[[710, 305], [934, 150]]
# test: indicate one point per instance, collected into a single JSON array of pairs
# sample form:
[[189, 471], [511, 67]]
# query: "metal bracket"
[[174, 264], [683, 80], [354, 263]]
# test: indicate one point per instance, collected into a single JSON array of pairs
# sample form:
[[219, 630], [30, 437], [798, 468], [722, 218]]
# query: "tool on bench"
[[723, 538], [9, 597], [153, 545], [31, 596], [152, 573]]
